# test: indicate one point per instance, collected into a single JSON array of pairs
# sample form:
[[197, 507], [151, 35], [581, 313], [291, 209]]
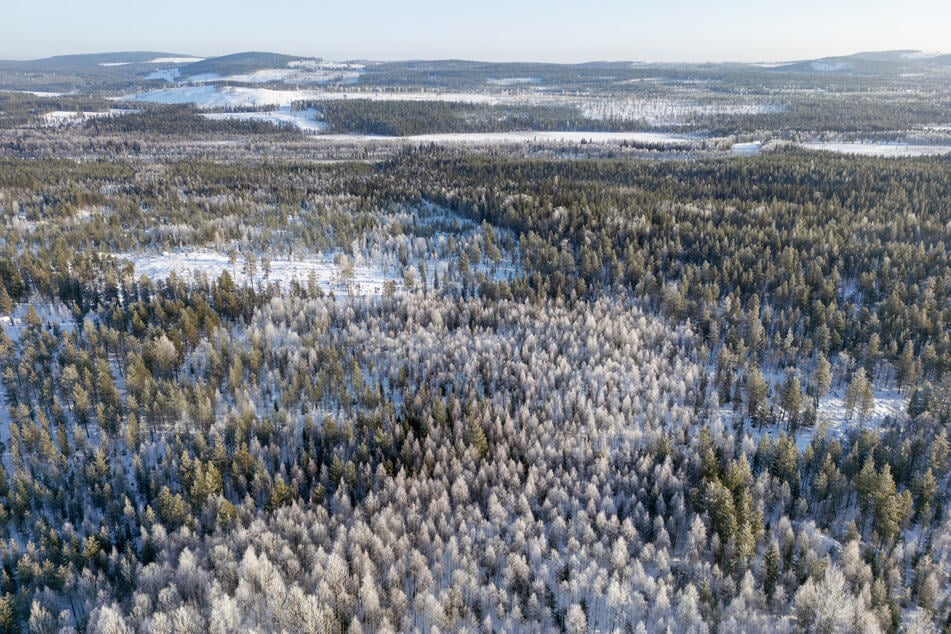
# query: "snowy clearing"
[[36, 93], [513, 81], [176, 60], [658, 138], [832, 416], [529, 136], [165, 74], [232, 96], [880, 149], [747, 149], [828, 67], [367, 280], [59, 118], [306, 120], [665, 111], [301, 73]]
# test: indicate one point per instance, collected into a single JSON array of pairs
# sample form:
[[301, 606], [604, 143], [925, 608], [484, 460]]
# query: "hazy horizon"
[[493, 31]]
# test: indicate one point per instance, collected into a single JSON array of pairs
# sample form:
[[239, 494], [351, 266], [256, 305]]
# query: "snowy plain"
[[880, 149], [307, 120], [59, 118]]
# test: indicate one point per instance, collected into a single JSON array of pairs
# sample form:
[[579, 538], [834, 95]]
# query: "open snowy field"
[[60, 118], [489, 138], [528, 136], [881, 149], [210, 96], [666, 111], [307, 120], [747, 149]]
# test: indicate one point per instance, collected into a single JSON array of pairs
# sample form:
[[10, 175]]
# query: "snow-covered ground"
[[650, 111], [821, 66], [367, 280], [889, 402], [56, 314], [36, 93], [512, 81], [666, 111], [60, 118], [164, 74], [832, 416], [509, 138], [747, 149], [209, 96], [658, 138], [176, 60], [880, 149], [307, 120]]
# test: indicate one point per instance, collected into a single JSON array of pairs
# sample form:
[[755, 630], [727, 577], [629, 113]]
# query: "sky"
[[489, 30]]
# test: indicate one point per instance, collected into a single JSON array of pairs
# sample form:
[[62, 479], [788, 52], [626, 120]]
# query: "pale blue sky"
[[535, 30]]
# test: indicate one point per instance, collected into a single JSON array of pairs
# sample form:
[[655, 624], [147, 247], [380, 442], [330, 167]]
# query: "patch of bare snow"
[[175, 60], [821, 66], [165, 74], [208, 96], [666, 111], [512, 81], [367, 280], [501, 138], [880, 149], [747, 149], [59, 118], [307, 120]]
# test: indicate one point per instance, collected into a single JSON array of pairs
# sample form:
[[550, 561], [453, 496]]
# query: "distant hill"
[[103, 60], [238, 63], [867, 63]]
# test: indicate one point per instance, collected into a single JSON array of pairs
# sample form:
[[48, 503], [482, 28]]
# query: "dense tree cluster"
[[407, 118]]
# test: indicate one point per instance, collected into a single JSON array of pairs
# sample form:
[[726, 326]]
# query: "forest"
[[468, 390]]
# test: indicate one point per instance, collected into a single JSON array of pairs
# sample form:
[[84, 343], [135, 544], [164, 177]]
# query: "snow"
[[658, 138], [747, 149], [880, 149], [166, 74], [203, 77], [295, 75], [507, 138], [233, 96], [657, 112], [833, 416], [651, 111], [36, 93], [888, 402], [828, 67], [56, 314], [306, 120], [175, 60], [513, 81], [109, 64], [921, 55], [59, 118], [368, 278]]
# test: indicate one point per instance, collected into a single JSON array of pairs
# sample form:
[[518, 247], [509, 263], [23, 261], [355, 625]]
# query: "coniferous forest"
[[250, 385]]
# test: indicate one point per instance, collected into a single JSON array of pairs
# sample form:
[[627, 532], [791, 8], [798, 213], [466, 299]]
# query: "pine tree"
[[771, 561], [859, 393], [821, 379], [755, 392], [791, 399]]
